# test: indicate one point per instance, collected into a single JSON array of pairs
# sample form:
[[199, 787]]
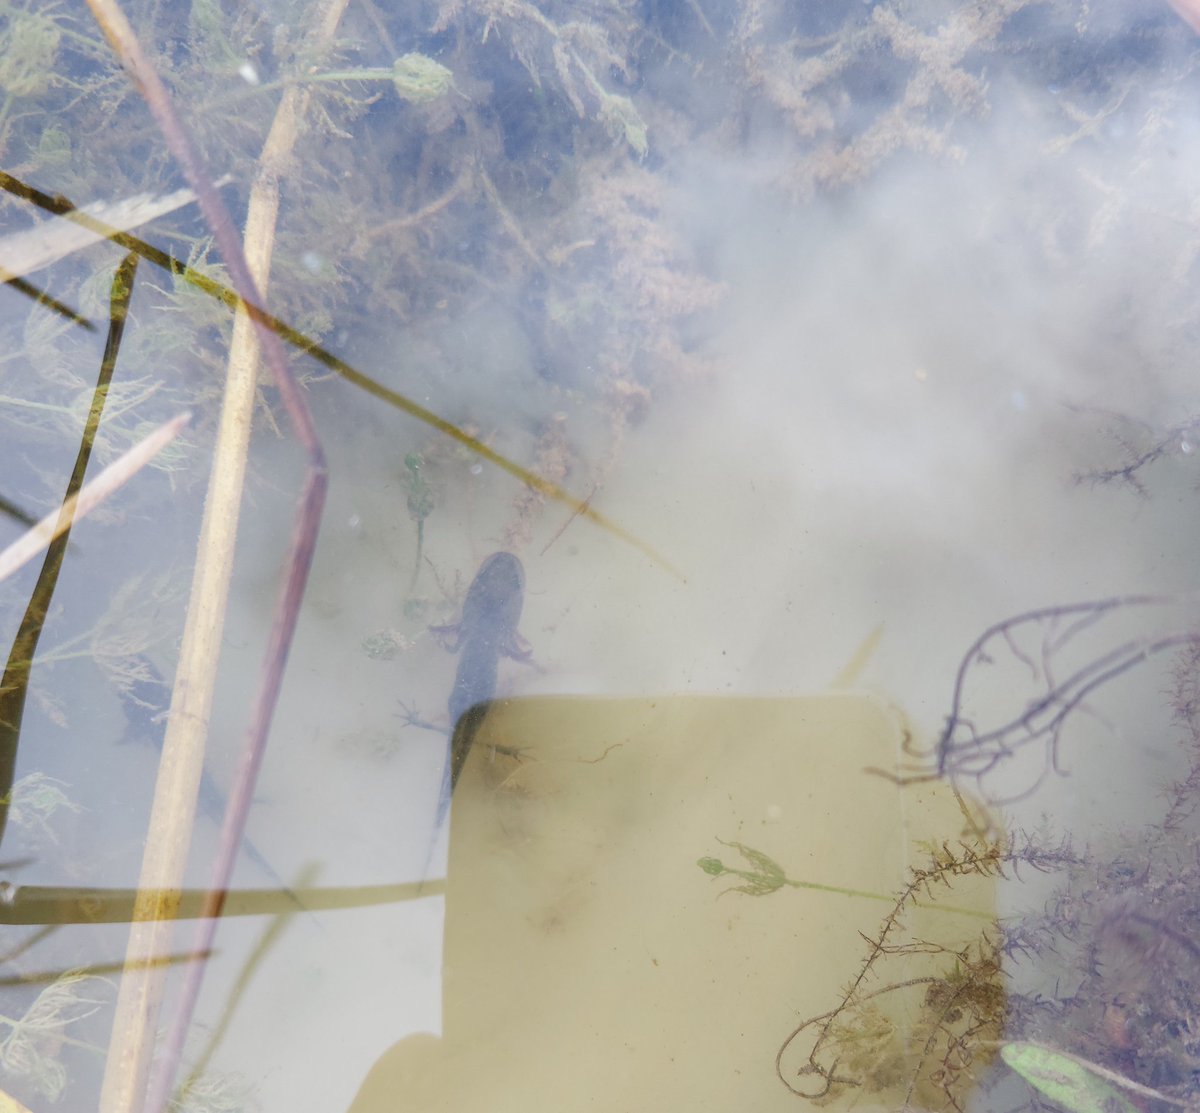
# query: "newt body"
[[487, 631]]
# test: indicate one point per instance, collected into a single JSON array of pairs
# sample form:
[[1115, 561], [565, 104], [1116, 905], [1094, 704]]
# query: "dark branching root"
[[1041, 669], [1141, 445]]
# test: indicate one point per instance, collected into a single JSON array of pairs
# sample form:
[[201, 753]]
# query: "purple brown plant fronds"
[[1183, 795], [1142, 445], [1061, 670]]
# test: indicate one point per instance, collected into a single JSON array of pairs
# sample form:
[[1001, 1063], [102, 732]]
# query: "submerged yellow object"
[[9, 1104], [590, 962]]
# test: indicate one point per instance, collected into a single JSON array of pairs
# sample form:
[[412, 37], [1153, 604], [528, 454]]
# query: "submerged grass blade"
[[47, 904], [15, 683], [340, 367]]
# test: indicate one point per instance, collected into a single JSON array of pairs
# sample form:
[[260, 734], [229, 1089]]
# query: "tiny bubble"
[[354, 522], [311, 261], [1185, 447], [248, 73], [476, 469]]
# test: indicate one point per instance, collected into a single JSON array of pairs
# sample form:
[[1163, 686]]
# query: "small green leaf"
[[1065, 1079]]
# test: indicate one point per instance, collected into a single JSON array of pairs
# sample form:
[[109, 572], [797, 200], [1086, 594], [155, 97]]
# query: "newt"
[[486, 632]]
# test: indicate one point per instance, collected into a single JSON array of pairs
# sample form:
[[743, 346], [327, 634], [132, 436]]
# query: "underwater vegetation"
[[1093, 1000], [444, 170]]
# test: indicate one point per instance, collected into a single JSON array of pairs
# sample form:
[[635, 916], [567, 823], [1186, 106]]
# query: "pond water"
[[829, 373]]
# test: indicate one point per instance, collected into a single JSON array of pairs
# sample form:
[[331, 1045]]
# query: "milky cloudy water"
[[827, 370]]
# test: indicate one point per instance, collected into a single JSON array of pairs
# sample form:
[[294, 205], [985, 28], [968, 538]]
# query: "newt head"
[[491, 610]]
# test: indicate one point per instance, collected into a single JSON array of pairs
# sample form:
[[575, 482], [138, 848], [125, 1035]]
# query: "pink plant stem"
[[123, 40], [1188, 11]]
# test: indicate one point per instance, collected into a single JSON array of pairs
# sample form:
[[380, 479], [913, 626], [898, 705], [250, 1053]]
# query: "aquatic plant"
[[512, 162], [35, 798], [1065, 672], [1071, 1082], [1125, 930], [1094, 999], [765, 876], [421, 502], [30, 1050], [214, 1092], [955, 999]]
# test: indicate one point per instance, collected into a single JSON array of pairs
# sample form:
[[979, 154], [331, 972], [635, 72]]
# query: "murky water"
[[819, 342]]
